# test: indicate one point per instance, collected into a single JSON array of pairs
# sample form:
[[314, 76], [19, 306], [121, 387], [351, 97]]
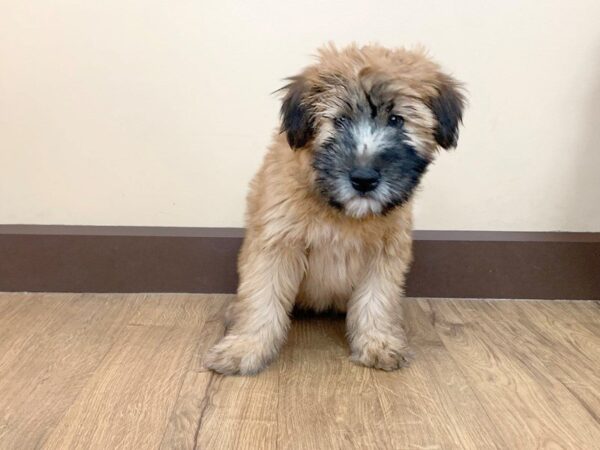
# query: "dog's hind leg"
[[258, 319]]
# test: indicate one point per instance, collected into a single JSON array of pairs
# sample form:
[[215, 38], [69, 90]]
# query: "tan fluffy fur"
[[300, 251]]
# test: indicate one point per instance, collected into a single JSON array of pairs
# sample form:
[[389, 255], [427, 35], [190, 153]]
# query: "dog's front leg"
[[374, 318], [258, 319]]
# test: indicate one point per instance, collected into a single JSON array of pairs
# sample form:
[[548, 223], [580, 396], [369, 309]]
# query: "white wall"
[[155, 112]]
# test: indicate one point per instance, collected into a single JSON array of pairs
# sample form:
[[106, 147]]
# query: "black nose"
[[364, 180]]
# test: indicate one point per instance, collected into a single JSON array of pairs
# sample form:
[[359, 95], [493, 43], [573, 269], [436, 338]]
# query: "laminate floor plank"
[[529, 405], [97, 371], [50, 347], [431, 404], [323, 397]]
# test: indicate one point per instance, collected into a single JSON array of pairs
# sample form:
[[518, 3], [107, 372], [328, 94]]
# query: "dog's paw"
[[237, 354], [382, 352]]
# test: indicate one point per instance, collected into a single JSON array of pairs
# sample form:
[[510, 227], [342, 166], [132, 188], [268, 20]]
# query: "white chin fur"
[[361, 206]]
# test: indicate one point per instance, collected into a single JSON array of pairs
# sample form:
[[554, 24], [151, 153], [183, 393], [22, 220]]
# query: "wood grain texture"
[[322, 391], [50, 345], [432, 404], [128, 401], [567, 337], [125, 371], [530, 406]]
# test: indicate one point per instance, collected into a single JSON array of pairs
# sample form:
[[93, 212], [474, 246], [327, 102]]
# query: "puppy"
[[329, 211]]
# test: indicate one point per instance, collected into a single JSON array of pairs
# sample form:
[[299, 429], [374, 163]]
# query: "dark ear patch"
[[448, 108], [295, 118]]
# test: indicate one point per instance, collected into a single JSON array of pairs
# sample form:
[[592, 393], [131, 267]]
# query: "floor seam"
[[204, 405]]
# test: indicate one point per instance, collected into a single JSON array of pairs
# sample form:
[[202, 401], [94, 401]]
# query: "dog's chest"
[[333, 269]]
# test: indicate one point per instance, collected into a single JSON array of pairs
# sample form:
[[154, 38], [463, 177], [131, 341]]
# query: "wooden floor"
[[125, 371]]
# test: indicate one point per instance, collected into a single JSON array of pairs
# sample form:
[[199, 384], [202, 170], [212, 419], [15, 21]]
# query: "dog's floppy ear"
[[447, 106], [296, 121]]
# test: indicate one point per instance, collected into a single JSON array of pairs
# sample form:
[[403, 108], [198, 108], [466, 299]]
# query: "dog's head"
[[373, 119]]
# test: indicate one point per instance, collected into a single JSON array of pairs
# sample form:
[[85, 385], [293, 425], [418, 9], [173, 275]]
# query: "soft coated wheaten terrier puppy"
[[329, 212]]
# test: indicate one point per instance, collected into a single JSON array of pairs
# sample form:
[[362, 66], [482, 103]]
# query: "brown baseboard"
[[468, 264]]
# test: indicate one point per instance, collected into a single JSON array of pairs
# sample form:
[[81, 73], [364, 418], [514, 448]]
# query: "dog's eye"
[[340, 121], [395, 120]]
